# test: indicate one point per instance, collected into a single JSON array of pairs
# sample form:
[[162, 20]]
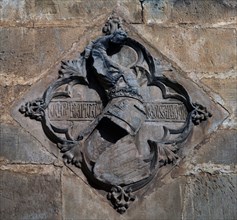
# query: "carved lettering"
[[73, 110], [166, 112], [79, 110]]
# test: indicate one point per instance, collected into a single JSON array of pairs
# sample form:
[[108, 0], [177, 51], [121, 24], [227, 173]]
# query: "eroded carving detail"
[[34, 109], [200, 114], [120, 198], [108, 150]]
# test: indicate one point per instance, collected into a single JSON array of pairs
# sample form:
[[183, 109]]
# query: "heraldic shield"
[[114, 114]]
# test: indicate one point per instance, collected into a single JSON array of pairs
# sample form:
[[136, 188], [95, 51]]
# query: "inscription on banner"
[[61, 110], [166, 111]]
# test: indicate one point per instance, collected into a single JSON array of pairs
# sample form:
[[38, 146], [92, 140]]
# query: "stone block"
[[60, 13], [165, 202], [171, 12], [156, 12], [34, 51], [227, 89], [7, 95], [11, 12], [131, 10], [56, 12], [219, 149], [194, 49], [80, 201], [30, 193], [210, 197], [83, 12], [17, 146], [222, 12]]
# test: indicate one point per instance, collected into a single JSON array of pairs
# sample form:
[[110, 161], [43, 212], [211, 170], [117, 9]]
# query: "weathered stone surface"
[[84, 11], [194, 49], [30, 192], [155, 12], [80, 201], [34, 51], [229, 3], [131, 10], [204, 12], [33, 13], [164, 203], [210, 197], [219, 149], [17, 146], [227, 89], [49, 11], [7, 95], [73, 12]]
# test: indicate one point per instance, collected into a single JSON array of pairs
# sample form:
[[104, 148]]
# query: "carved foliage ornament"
[[137, 125]]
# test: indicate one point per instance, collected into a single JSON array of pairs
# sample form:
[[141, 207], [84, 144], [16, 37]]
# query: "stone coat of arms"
[[114, 114]]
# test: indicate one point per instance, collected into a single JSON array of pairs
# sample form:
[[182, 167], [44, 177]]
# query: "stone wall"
[[199, 36]]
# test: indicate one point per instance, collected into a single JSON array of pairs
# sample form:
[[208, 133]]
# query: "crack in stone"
[[142, 11]]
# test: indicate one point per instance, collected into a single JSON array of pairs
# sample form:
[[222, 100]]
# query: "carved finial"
[[34, 109], [113, 23], [121, 198], [200, 114]]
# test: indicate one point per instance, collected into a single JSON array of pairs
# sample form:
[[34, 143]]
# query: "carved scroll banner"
[[113, 113]]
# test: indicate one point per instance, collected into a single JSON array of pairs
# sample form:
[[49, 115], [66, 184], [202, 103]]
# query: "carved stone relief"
[[115, 115]]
